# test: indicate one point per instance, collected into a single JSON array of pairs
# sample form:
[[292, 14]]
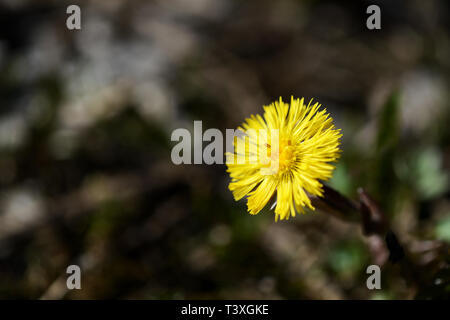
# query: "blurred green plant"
[[442, 230]]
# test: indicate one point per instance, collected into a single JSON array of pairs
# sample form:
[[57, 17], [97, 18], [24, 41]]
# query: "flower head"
[[288, 151]]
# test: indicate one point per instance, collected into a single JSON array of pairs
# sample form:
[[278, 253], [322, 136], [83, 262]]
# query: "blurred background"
[[86, 118]]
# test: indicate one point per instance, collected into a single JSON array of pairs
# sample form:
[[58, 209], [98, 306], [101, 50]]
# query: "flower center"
[[285, 158], [287, 155]]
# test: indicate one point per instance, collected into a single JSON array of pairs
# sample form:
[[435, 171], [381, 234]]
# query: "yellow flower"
[[288, 151]]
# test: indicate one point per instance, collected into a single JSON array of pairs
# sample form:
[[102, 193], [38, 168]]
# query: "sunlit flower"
[[288, 151]]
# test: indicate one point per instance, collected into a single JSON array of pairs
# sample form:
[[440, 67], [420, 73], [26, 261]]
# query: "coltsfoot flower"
[[287, 152]]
